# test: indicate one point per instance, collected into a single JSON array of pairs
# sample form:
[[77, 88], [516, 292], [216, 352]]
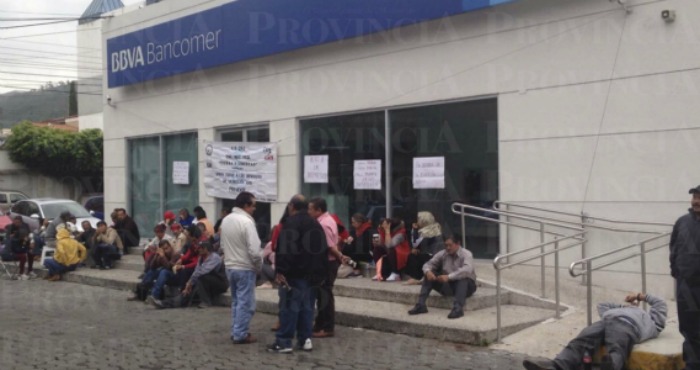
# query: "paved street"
[[69, 326]]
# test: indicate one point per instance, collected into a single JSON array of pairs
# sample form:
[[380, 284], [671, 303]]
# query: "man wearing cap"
[[180, 238], [168, 221], [685, 268]]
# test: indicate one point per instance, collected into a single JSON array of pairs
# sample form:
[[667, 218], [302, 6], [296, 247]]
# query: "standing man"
[[127, 229], [243, 260], [325, 320], [685, 268], [301, 264], [451, 273]]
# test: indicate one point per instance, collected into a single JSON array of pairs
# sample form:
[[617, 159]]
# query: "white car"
[[49, 208]]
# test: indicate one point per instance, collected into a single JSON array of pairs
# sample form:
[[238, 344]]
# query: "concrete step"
[[133, 262], [477, 327], [363, 288]]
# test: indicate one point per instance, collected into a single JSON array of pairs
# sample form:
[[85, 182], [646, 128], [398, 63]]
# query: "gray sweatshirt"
[[458, 266], [240, 241], [647, 324], [206, 266]]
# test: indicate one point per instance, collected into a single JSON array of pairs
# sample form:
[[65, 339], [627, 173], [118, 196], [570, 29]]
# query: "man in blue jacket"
[[620, 328]]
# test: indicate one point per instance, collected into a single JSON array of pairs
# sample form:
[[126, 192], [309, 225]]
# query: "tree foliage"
[[57, 153]]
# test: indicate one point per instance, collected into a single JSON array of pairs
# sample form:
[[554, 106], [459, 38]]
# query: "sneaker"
[[375, 278], [307, 346], [157, 303], [539, 365], [32, 275], [248, 340], [418, 309], [23, 277], [394, 277], [276, 348], [455, 313]]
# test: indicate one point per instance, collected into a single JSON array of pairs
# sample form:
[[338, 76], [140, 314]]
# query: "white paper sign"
[[316, 169], [367, 174], [181, 173], [429, 173], [232, 168]]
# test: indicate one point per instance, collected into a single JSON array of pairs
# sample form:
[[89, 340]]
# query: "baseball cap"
[[694, 190], [169, 215]]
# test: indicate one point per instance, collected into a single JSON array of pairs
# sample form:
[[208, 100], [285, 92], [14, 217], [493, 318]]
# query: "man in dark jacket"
[[127, 229], [301, 264], [685, 268]]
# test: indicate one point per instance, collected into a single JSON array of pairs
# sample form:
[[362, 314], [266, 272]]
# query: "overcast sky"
[[32, 56]]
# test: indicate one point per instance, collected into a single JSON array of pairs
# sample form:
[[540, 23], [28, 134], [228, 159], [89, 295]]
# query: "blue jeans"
[[56, 268], [296, 312], [164, 276], [242, 284]]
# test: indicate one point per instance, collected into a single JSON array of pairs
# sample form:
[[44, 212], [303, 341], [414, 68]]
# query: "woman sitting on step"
[[392, 234], [426, 238]]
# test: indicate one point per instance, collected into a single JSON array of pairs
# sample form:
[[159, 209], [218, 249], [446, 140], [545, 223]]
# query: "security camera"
[[668, 15]]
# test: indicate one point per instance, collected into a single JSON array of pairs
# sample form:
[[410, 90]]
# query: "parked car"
[[5, 221], [49, 208], [8, 198], [95, 204]]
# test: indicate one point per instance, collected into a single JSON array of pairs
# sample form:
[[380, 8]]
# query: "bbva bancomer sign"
[[247, 29]]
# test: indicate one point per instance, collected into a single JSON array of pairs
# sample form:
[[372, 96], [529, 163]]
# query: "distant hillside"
[[51, 101]]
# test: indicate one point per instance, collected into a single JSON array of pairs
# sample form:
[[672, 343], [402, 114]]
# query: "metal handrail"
[[498, 266], [497, 203], [588, 262]]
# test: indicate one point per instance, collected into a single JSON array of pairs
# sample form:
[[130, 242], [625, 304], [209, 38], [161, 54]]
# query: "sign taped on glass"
[[232, 168], [429, 173]]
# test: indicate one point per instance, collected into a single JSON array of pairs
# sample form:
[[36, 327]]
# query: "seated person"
[[19, 241], [152, 246], [426, 238], [86, 238], [359, 244], [620, 328], [168, 221], [201, 217], [392, 234], [451, 273], [60, 222], [108, 246], [69, 253], [206, 283], [185, 218], [185, 265], [162, 259], [180, 237]]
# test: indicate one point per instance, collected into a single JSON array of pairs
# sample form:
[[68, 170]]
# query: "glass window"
[[33, 209], [145, 182], [233, 136], [345, 139], [20, 208], [464, 133], [3, 198], [15, 197], [181, 148]]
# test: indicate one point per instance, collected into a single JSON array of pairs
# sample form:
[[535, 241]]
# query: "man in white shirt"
[[243, 260]]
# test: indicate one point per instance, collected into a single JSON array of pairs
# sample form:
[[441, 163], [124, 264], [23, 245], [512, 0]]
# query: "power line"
[[52, 44], [49, 66], [77, 82], [33, 13], [37, 35], [37, 74], [34, 24], [48, 52], [47, 90], [22, 57]]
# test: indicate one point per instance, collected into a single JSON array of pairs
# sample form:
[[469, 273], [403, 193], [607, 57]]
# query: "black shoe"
[[102, 267], [276, 348], [539, 365], [455, 313], [418, 309]]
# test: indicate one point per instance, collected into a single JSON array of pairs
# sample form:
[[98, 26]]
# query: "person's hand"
[[415, 226], [281, 280], [386, 225], [415, 251], [349, 240], [443, 279], [188, 289], [344, 259], [430, 276]]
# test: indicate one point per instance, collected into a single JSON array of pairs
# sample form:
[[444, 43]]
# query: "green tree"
[[72, 100], [59, 154]]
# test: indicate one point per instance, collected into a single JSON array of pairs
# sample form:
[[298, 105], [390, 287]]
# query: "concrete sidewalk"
[[549, 337]]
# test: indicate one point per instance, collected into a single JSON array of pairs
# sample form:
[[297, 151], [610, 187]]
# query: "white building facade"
[[572, 105]]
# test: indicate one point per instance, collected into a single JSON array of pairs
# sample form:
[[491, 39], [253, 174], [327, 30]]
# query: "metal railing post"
[[589, 291], [464, 230], [542, 260], [556, 276], [498, 305], [642, 246], [584, 217]]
